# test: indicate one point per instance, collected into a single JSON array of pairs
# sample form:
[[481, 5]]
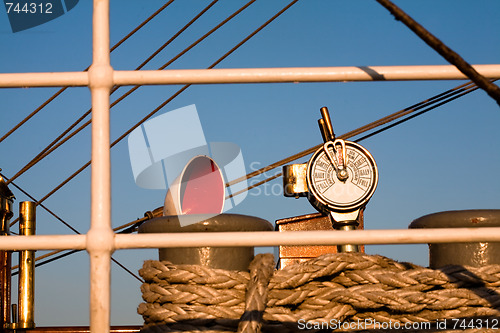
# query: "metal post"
[[100, 237], [6, 200], [5, 287], [26, 295]]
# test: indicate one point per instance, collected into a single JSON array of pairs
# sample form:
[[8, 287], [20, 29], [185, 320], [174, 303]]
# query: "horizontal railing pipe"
[[43, 242], [252, 75], [391, 236], [305, 74], [61, 79], [230, 239]]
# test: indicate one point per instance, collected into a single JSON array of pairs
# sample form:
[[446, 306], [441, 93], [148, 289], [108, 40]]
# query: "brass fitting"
[[26, 293], [294, 180]]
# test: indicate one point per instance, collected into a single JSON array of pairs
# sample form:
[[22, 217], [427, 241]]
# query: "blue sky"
[[446, 159]]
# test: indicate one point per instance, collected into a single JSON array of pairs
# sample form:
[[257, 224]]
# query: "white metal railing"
[[100, 241], [257, 238], [252, 75]]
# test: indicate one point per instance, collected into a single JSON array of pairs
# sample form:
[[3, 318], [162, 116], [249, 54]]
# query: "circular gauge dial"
[[332, 193]]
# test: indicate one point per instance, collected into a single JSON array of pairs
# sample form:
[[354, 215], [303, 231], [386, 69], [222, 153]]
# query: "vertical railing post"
[[100, 237]]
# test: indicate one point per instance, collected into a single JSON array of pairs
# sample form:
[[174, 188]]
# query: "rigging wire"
[[41, 205], [450, 94], [60, 91], [134, 224], [75, 231], [451, 56], [426, 105], [53, 146], [128, 228], [464, 92], [56, 143], [360, 130], [440, 99], [169, 99], [72, 252]]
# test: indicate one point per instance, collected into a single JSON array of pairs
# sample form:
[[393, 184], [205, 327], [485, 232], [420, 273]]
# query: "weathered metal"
[[26, 285], [85, 329], [475, 254], [294, 180], [5, 287], [6, 200], [24, 312], [290, 254], [231, 258], [340, 178]]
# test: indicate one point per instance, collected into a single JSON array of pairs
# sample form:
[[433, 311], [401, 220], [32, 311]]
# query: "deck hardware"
[[341, 176], [6, 201], [195, 203], [475, 254], [25, 313]]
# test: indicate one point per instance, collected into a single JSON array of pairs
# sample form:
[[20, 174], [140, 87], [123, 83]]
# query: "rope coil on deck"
[[338, 289]]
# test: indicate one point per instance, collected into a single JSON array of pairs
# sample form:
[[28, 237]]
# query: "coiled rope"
[[343, 288]]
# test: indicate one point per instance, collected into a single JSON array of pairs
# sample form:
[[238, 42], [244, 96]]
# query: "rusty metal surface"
[[231, 258], [85, 329], [471, 254], [302, 223], [315, 221], [6, 200], [5, 287]]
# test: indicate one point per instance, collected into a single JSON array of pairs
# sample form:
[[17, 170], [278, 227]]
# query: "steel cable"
[[450, 94], [56, 143], [130, 227], [451, 56], [439, 99], [75, 231], [430, 103], [60, 91], [51, 254], [155, 110], [39, 202]]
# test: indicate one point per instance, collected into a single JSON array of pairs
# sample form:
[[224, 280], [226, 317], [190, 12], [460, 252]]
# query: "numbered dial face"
[[329, 192]]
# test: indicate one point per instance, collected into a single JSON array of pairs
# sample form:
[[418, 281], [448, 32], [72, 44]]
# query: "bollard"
[[230, 258], [471, 254]]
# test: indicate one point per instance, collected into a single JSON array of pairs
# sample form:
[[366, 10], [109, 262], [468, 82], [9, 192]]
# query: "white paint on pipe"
[[43, 242], [394, 236], [253, 75], [22, 80], [305, 74], [123, 241], [100, 235]]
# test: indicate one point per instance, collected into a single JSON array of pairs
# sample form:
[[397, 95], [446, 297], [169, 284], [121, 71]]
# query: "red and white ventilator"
[[199, 189]]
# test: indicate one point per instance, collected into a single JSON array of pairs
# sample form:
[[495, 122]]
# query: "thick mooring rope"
[[343, 290]]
